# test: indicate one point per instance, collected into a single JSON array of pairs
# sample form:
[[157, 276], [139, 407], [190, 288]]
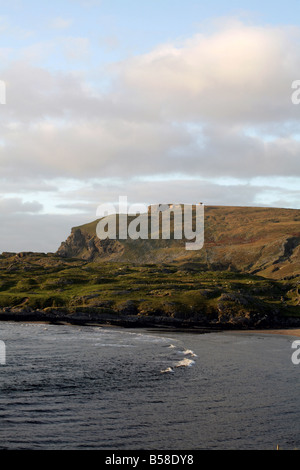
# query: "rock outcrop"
[[82, 245], [264, 241]]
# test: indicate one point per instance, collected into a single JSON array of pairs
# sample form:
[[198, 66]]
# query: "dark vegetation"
[[247, 275], [79, 290]]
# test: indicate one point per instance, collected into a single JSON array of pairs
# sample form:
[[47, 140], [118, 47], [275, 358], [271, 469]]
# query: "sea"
[[66, 387]]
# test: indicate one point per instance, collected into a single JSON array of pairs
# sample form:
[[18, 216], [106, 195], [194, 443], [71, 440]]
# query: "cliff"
[[263, 241], [247, 275]]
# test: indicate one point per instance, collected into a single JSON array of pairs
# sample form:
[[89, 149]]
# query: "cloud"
[[61, 23], [173, 124], [111, 42], [36, 52], [238, 74], [16, 205], [76, 48], [112, 148], [35, 93], [39, 233], [87, 3], [176, 188], [14, 31]]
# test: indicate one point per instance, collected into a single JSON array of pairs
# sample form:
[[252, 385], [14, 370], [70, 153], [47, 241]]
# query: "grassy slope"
[[174, 290], [246, 268], [249, 239]]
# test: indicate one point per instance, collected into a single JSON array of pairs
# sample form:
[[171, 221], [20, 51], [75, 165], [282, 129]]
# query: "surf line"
[[115, 460]]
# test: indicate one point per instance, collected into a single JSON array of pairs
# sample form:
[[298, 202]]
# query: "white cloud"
[[241, 74], [16, 32], [174, 123], [16, 205], [87, 3], [61, 23], [76, 48], [39, 233], [36, 52]]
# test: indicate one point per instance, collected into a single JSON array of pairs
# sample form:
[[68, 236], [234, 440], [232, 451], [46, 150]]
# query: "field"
[[48, 283]]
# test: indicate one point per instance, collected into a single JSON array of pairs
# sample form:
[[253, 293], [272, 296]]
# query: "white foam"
[[185, 363], [168, 369], [188, 352]]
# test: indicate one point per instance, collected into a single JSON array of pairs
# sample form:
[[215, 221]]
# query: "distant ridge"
[[256, 240]]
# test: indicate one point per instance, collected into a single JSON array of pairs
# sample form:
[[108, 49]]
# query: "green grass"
[[175, 290]]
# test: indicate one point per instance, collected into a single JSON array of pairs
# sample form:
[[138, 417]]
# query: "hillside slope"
[[257, 240]]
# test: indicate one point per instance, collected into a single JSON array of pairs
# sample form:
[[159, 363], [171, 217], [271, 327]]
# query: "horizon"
[[168, 101]]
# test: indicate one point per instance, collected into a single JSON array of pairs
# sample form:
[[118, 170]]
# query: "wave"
[[168, 369], [185, 363], [189, 352]]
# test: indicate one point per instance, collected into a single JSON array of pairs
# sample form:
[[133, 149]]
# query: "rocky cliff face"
[[82, 245], [264, 241]]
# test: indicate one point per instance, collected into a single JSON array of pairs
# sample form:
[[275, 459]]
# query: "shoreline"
[[167, 327], [158, 323], [280, 331]]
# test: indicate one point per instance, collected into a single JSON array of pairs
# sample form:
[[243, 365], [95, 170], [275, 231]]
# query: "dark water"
[[67, 387]]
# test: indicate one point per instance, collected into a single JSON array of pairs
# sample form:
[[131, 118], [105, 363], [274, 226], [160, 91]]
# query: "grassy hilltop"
[[246, 275], [264, 241]]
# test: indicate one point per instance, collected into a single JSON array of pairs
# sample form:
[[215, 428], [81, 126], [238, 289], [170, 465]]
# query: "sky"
[[159, 101]]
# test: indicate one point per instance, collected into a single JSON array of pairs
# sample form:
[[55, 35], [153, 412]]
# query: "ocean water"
[[74, 387]]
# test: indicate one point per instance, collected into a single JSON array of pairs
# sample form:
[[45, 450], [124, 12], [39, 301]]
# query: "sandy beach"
[[290, 332]]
